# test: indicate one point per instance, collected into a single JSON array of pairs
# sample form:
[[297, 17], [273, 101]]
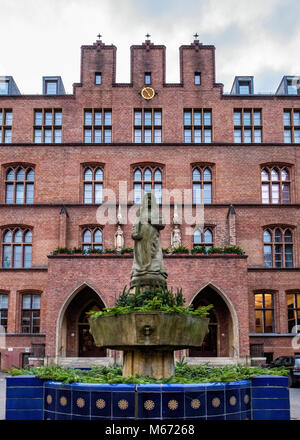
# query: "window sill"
[[23, 268], [282, 269], [276, 335], [25, 334]]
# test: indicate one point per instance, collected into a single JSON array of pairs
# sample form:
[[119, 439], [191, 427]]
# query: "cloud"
[[39, 38]]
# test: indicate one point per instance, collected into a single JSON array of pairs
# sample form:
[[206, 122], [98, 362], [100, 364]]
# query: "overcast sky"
[[252, 37]]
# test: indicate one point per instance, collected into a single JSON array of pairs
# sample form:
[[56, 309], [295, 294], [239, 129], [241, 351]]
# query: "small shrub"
[[59, 250], [199, 250], [110, 251], [77, 250], [184, 373], [215, 250], [180, 250], [233, 250], [127, 251], [94, 251]]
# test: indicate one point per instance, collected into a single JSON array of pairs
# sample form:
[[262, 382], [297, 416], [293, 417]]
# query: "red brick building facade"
[[59, 152]]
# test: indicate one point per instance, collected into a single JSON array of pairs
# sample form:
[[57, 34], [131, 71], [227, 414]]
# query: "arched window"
[[275, 185], [145, 180], [92, 238], [16, 248], [202, 185], [19, 185], [204, 238], [278, 247], [93, 185]]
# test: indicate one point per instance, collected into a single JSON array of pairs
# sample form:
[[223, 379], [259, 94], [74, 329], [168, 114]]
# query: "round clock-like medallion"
[[147, 92]]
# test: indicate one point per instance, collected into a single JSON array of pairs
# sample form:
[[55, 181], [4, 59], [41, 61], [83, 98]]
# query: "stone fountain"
[[148, 339]]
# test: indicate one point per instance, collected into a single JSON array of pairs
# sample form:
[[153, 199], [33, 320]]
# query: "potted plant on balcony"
[[180, 250], [215, 251], [233, 250], [110, 251], [200, 250], [61, 251], [94, 251], [77, 251], [127, 251]]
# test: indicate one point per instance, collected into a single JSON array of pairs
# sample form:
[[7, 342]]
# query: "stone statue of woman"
[[148, 267]]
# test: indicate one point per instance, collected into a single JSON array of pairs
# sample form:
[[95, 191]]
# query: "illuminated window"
[[264, 313]]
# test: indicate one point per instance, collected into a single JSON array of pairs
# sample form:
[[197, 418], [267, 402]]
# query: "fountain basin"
[[156, 330], [149, 339]]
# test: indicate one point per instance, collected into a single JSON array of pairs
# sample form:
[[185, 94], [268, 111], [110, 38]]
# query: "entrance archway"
[[222, 339], [74, 338]]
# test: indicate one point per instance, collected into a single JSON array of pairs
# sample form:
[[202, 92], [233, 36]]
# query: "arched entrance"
[[222, 339], [74, 338]]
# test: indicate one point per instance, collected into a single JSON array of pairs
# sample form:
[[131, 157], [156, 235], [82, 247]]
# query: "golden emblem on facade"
[[147, 92]]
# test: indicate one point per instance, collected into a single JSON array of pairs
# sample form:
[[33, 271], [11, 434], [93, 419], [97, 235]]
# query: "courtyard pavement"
[[294, 394]]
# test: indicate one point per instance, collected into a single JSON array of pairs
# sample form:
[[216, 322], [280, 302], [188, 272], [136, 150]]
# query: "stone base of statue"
[[149, 339], [155, 280]]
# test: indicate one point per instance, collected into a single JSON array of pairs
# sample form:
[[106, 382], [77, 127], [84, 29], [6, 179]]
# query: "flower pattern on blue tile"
[[149, 405], [50, 399], [245, 394], [195, 404], [173, 405], [123, 405], [63, 401], [101, 404], [232, 401], [215, 403], [81, 402]]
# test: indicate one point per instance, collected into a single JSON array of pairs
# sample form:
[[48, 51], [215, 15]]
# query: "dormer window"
[[197, 78], [51, 87], [244, 87], [4, 87], [147, 78], [98, 78], [292, 86]]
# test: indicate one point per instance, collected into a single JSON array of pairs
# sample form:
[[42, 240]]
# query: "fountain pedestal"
[[147, 362]]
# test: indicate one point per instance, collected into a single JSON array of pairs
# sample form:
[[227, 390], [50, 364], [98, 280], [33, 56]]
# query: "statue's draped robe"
[[148, 259]]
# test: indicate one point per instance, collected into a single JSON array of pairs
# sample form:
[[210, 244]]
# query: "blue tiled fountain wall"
[[262, 398]]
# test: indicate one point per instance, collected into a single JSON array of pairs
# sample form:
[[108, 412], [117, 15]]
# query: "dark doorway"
[[25, 360], [209, 346], [87, 347], [75, 338]]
